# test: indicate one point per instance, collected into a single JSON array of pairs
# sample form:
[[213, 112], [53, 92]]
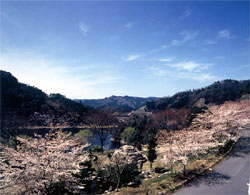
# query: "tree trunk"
[[171, 168], [151, 166], [102, 145], [184, 169], [118, 183]]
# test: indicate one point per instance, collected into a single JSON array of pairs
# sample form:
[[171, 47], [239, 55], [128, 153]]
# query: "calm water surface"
[[108, 144]]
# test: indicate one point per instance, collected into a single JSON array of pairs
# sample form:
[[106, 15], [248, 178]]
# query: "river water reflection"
[[108, 144]]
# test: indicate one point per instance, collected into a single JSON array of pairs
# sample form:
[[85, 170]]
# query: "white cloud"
[[83, 28], [53, 76], [156, 71], [133, 57], [203, 77], [165, 60], [185, 14], [183, 70], [210, 42], [128, 25], [157, 49], [226, 34], [187, 35], [190, 66]]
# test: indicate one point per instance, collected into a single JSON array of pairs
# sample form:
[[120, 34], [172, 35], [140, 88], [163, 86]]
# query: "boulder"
[[132, 154]]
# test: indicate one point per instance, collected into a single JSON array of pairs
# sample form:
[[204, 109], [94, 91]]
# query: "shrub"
[[58, 187], [130, 173], [85, 136], [160, 170], [12, 142], [127, 133], [96, 148], [109, 154], [102, 173], [163, 185], [85, 171], [226, 147]]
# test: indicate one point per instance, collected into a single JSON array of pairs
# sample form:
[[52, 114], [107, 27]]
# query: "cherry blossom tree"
[[39, 161], [209, 130]]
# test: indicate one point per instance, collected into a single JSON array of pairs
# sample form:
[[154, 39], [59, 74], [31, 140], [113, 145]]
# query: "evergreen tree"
[[151, 150]]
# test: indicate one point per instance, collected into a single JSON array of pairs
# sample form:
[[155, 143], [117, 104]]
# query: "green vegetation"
[[95, 148], [129, 174], [58, 187], [23, 106], [217, 93], [151, 150], [85, 135], [117, 103], [127, 134], [85, 172], [170, 182], [226, 147]]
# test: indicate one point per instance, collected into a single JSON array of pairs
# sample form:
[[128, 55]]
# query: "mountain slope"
[[119, 103], [217, 93], [26, 106]]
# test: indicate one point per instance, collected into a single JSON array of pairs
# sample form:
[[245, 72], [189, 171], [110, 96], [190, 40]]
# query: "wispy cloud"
[[187, 12], [190, 66], [225, 34], [183, 15], [157, 71], [210, 42], [133, 57], [54, 76], [165, 60], [186, 36], [129, 25], [157, 49], [203, 77], [83, 28], [183, 70]]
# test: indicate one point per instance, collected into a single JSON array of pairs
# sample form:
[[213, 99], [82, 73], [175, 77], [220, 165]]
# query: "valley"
[[124, 97], [163, 144]]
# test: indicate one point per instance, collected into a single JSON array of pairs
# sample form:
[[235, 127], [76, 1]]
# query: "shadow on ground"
[[212, 178], [241, 148]]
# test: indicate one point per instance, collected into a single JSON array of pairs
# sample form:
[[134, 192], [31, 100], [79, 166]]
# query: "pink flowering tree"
[[37, 162]]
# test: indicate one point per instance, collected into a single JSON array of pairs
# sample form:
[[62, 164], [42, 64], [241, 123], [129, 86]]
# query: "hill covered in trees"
[[117, 103], [26, 106], [217, 93]]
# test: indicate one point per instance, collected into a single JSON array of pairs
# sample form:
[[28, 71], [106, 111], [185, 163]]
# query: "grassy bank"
[[170, 182]]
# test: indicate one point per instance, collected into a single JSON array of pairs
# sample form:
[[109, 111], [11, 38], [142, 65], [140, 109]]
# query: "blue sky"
[[96, 49]]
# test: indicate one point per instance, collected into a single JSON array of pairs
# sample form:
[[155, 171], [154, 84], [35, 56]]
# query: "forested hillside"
[[118, 103], [26, 106], [217, 93]]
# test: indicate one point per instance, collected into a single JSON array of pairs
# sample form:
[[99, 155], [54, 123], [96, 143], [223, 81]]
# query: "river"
[[108, 144]]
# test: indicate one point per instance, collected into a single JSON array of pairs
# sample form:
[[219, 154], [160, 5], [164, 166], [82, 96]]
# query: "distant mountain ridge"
[[216, 93], [26, 106], [121, 103]]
